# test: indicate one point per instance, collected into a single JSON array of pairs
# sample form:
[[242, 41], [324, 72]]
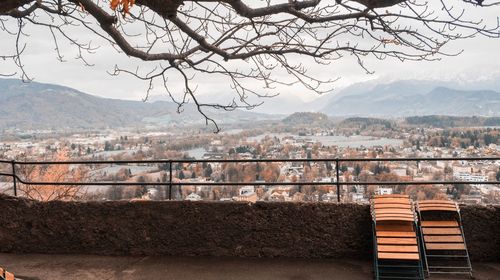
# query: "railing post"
[[14, 177], [170, 180], [337, 171]]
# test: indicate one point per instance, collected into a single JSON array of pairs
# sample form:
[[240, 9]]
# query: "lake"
[[355, 141], [197, 153]]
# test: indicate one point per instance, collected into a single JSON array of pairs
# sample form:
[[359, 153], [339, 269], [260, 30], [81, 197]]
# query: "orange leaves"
[[126, 5], [58, 173], [114, 4]]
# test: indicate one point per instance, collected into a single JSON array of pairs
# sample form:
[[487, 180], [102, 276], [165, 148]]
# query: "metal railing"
[[170, 162]]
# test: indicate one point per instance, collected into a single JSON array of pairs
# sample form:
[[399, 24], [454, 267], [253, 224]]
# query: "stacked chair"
[[443, 238], [5, 275], [396, 246]]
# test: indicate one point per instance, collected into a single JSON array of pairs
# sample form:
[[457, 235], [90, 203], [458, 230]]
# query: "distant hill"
[[358, 122], [413, 98], [46, 106], [449, 121], [306, 118]]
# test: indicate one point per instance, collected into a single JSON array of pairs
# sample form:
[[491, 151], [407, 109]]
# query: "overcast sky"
[[480, 59]]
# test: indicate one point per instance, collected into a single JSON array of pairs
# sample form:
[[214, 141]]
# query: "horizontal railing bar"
[[253, 183], [92, 162], [253, 160], [395, 183]]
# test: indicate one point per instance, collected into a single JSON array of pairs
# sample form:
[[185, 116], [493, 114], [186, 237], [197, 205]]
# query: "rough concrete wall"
[[207, 228], [482, 231]]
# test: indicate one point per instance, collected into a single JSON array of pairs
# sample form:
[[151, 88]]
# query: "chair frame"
[[399, 209], [433, 205]]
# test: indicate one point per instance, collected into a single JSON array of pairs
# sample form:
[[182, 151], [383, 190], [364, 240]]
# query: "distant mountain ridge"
[[46, 106], [414, 98], [373, 92]]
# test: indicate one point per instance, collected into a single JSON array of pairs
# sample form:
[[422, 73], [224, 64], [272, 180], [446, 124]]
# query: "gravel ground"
[[55, 267]]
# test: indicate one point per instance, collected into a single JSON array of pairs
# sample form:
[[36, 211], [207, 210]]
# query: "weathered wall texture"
[[207, 228], [482, 231]]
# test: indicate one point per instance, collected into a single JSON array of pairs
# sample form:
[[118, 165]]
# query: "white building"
[[468, 177], [246, 190], [383, 191], [330, 196], [193, 197], [324, 180], [399, 171], [358, 197]]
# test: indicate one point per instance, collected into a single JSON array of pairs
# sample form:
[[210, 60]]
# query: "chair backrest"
[[437, 205], [392, 208], [391, 196], [9, 276]]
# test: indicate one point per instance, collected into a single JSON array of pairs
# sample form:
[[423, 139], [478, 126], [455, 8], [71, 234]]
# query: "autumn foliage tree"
[[54, 173], [425, 192], [257, 46]]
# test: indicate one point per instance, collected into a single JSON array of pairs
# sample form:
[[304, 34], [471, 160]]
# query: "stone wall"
[[264, 229], [482, 231]]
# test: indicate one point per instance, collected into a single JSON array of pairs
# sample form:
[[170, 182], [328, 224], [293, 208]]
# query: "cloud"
[[479, 59]]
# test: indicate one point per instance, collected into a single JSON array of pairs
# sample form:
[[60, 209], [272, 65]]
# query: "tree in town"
[[54, 173], [114, 193], [208, 171], [181, 175], [357, 170]]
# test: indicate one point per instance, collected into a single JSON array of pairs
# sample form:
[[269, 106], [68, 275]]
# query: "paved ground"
[[58, 267]]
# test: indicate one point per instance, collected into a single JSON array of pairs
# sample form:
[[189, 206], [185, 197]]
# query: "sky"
[[480, 59]]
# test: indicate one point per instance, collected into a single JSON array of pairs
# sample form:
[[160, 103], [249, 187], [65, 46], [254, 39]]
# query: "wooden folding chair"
[[441, 231], [396, 246], [9, 276], [5, 275]]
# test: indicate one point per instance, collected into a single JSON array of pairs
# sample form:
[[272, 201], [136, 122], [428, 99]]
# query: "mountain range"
[[380, 98], [47, 106], [413, 98]]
